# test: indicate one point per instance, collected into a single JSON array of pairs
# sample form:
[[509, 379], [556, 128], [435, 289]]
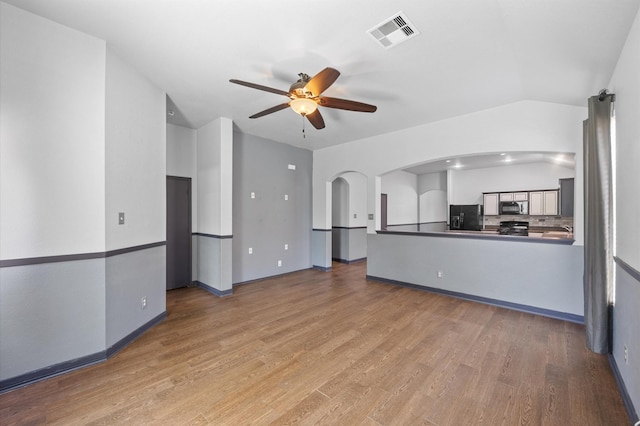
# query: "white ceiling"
[[470, 55], [500, 159]]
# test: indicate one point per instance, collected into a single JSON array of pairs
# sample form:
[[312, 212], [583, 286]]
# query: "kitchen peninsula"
[[535, 235], [536, 273]]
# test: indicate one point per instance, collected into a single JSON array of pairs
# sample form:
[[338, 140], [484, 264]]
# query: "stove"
[[514, 227]]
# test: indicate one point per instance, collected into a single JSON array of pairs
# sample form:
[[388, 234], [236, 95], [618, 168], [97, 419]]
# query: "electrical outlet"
[[286, 246], [253, 195], [626, 354], [286, 197], [250, 250], [279, 263], [440, 274], [143, 302]]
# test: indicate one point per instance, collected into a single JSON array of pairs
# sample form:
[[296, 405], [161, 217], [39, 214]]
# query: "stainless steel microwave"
[[514, 207]]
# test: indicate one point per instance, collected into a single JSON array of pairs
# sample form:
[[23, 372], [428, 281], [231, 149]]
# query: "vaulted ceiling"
[[469, 55]]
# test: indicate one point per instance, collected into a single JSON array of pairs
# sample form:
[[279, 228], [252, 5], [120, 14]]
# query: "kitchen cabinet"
[[551, 202], [514, 196], [491, 204], [543, 203], [520, 196]]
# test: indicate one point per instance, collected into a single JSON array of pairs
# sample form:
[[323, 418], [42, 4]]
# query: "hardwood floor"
[[332, 348]]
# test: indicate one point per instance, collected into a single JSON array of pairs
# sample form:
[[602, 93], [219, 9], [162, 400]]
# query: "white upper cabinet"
[[551, 202], [491, 204], [543, 203], [514, 196], [520, 196]]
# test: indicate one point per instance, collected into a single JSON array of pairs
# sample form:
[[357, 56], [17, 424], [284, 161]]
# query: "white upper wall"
[[626, 85], [52, 138], [181, 161], [432, 190], [215, 177], [340, 203], [402, 197], [356, 197], [135, 157], [181, 151], [467, 186], [432, 182], [519, 127]]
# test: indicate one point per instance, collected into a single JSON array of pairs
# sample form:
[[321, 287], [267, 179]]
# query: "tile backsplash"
[[534, 221]]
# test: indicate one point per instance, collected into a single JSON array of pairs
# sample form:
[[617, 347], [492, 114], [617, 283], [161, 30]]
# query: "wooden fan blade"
[[316, 119], [321, 81], [270, 110], [259, 87], [346, 104]]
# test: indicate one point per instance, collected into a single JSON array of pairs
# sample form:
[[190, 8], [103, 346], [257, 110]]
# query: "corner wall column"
[[215, 203]]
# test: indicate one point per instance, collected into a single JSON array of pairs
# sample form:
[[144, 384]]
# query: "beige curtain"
[[598, 249]]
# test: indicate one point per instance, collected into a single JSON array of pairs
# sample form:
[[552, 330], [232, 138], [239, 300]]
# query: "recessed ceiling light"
[[503, 153], [447, 161]]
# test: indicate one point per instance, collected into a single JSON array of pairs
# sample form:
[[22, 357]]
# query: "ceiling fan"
[[305, 97]]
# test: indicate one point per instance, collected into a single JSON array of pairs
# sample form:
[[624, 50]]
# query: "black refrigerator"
[[465, 216]]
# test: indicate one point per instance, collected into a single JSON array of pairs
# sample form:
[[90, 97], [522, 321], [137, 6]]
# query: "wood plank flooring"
[[332, 348]]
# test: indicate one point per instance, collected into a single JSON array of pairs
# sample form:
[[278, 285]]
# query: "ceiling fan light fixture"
[[303, 106]]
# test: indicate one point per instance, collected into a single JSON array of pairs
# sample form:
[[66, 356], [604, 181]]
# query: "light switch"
[[370, 216], [121, 218], [291, 166], [286, 246]]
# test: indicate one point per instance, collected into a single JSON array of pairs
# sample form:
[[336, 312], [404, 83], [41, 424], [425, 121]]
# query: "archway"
[[348, 217]]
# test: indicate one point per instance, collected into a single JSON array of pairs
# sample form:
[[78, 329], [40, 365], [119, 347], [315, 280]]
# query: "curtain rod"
[[602, 95]]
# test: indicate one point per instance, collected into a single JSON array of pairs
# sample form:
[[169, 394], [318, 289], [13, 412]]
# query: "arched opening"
[[348, 217]]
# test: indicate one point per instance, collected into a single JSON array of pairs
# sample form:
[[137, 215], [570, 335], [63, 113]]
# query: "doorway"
[[383, 212], [348, 217], [178, 232]]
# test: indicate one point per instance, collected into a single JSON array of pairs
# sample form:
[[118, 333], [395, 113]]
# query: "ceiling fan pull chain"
[[304, 136]]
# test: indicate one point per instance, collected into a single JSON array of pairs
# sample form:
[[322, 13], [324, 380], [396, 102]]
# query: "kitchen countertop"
[[552, 236]]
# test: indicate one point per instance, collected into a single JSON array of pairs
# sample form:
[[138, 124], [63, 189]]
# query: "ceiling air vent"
[[393, 31]]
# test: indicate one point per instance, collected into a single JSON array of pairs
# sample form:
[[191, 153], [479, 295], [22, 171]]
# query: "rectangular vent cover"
[[393, 31]]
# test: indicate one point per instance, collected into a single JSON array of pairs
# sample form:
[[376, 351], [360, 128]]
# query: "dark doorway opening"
[[383, 211], [178, 232]]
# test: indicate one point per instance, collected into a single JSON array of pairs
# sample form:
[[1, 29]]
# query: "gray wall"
[[50, 313], [349, 244], [321, 248], [101, 151], [541, 275], [626, 323], [267, 222], [130, 277], [213, 269]]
